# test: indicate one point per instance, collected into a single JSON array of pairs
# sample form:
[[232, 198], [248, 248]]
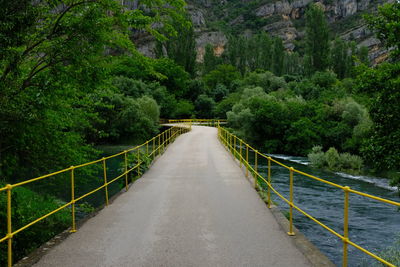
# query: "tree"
[[182, 47], [382, 84], [316, 39], [54, 61], [205, 106], [210, 60], [175, 78], [265, 43], [223, 74], [278, 57], [339, 58], [292, 64], [387, 25]]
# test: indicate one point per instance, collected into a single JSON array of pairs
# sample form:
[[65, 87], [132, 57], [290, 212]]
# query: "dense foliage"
[[322, 95], [71, 78]]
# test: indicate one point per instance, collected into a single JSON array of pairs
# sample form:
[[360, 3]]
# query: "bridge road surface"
[[193, 207]]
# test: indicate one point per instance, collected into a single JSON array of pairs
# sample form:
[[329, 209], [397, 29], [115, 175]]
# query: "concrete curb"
[[312, 253]]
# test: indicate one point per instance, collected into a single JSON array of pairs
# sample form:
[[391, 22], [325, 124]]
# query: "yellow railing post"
[[247, 160], [9, 227], [240, 150], [269, 181], [138, 162], [162, 142], [230, 143], [234, 147], [105, 179], [291, 233], [345, 224], [147, 147], [73, 228], [159, 143], [126, 169], [255, 168], [154, 148], [226, 139]]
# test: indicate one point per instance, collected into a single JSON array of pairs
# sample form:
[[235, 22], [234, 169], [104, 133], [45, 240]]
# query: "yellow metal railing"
[[203, 122], [158, 144], [231, 142]]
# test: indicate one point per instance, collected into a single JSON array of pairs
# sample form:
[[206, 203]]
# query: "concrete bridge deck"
[[194, 207]]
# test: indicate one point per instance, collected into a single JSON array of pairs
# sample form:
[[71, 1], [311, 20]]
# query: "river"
[[372, 224]]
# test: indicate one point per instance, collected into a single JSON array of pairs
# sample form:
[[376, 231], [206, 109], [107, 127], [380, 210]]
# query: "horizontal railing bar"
[[3, 239], [370, 254], [40, 178], [319, 179], [376, 198]]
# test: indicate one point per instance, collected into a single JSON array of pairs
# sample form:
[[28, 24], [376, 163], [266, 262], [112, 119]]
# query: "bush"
[[184, 109], [266, 80], [26, 207], [334, 161], [332, 158], [204, 107], [317, 157]]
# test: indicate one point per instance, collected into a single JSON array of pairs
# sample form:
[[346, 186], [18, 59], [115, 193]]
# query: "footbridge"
[[196, 203]]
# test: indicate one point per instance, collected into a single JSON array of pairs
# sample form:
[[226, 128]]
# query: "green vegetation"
[[71, 78], [327, 96], [317, 40], [28, 206], [334, 161]]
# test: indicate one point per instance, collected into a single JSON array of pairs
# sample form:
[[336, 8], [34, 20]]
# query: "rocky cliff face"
[[283, 18]]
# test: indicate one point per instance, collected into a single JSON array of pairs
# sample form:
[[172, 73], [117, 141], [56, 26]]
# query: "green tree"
[[363, 55], [265, 57], [339, 54], [316, 39], [383, 85], [387, 25], [223, 74], [182, 47], [205, 106], [54, 60], [278, 57], [175, 78], [210, 60]]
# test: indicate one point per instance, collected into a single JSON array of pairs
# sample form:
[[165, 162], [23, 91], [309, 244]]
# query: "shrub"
[[350, 162], [334, 161], [332, 158], [27, 206], [317, 157]]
